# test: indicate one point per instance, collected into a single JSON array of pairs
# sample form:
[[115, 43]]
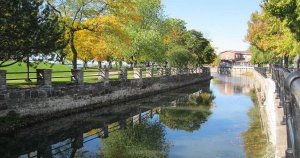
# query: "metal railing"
[[288, 91]]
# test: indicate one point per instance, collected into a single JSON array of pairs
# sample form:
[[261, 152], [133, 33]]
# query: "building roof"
[[237, 52]]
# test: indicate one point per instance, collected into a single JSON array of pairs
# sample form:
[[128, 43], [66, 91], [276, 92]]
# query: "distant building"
[[235, 57]]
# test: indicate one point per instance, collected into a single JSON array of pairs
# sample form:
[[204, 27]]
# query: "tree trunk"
[[28, 66], [74, 51], [116, 63], [85, 64], [285, 63], [109, 64], [99, 64], [120, 64]]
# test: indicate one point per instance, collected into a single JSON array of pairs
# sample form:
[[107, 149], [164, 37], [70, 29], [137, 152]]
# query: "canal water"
[[217, 119]]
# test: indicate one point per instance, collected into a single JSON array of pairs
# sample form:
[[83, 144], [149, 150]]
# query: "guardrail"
[[288, 90]]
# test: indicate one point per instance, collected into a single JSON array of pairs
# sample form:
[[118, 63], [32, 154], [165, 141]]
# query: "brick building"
[[235, 57]]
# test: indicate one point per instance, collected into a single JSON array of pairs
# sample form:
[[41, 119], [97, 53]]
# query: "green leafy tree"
[[200, 47], [287, 11], [28, 27], [269, 35], [179, 56], [147, 42]]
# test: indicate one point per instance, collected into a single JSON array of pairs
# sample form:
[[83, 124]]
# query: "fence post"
[[174, 71], [77, 76], [199, 70], [137, 73], [160, 72], [105, 130], [103, 75], [168, 71], [2, 79], [149, 72], [180, 71], [44, 77], [123, 75]]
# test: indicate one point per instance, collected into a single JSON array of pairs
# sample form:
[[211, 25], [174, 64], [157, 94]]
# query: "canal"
[[218, 119]]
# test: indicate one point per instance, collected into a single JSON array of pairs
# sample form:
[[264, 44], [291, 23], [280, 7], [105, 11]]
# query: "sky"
[[224, 22]]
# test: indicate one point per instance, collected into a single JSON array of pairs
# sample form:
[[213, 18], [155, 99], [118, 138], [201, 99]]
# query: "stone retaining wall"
[[50, 100]]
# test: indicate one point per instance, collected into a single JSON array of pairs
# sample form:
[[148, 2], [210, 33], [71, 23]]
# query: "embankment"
[[272, 115], [22, 107]]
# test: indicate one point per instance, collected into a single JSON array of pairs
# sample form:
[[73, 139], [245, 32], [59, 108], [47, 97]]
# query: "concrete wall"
[[272, 115]]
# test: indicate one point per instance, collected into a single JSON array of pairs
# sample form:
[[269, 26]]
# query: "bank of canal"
[[216, 121]]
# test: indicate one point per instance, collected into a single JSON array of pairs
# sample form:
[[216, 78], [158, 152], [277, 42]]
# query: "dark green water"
[[211, 120]]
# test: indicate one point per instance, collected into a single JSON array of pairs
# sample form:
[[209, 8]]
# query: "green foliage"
[[287, 11], [200, 47], [144, 140], [271, 40], [147, 41], [28, 27], [135, 31], [259, 57], [179, 56]]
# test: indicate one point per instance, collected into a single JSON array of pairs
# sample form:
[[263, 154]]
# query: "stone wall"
[[77, 97]]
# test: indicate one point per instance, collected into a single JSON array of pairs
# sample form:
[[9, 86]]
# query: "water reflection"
[[144, 140], [256, 142], [129, 130], [189, 122], [190, 114], [232, 85]]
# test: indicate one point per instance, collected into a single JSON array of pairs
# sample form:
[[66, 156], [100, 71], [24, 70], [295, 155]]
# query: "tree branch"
[[1, 64]]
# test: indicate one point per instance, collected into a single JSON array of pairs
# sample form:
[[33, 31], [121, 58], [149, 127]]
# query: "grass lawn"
[[60, 74]]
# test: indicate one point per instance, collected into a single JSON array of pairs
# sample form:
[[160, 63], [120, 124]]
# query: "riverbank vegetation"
[[274, 33], [133, 31]]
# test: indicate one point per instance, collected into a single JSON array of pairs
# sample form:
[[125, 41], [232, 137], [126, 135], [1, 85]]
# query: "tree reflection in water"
[[255, 140], [144, 140], [188, 114]]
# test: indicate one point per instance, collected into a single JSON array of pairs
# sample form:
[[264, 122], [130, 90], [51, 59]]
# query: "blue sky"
[[224, 22]]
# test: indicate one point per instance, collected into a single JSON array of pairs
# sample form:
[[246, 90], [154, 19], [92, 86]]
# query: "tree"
[[147, 42], [200, 47], [179, 56], [28, 27], [287, 11], [176, 30], [92, 15], [269, 35]]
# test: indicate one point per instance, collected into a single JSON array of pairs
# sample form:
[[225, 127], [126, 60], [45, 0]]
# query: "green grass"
[[64, 77], [61, 74]]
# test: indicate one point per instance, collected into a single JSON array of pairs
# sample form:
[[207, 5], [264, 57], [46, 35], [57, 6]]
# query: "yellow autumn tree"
[[95, 16]]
